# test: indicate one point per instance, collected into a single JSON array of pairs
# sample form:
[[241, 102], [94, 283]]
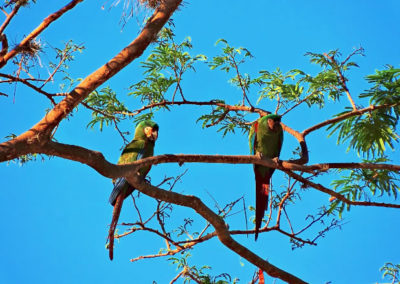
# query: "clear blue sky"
[[55, 213]]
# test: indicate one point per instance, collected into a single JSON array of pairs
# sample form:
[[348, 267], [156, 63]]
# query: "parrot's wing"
[[133, 151], [253, 138], [280, 142]]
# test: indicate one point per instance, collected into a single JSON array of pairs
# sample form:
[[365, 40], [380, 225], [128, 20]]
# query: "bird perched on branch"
[[265, 139], [142, 146]]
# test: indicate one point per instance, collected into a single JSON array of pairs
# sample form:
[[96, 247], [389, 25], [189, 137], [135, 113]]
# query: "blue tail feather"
[[121, 186]]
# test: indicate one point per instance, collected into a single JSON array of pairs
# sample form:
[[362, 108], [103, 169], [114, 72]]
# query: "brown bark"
[[32, 140], [50, 19], [217, 222]]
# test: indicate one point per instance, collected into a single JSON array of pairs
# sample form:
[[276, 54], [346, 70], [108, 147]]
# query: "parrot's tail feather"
[[116, 212], [262, 193], [119, 185]]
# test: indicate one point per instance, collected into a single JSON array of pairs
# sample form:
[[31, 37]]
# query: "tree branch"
[[217, 222], [338, 195], [342, 79], [346, 115], [40, 133], [9, 17], [50, 19], [27, 83]]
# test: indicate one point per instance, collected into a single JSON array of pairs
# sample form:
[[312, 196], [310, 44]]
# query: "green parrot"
[[265, 138], [142, 146]]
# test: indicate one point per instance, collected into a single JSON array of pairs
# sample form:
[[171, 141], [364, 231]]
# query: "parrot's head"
[[273, 121], [147, 129]]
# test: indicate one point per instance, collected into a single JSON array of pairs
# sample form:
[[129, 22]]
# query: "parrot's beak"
[[154, 135]]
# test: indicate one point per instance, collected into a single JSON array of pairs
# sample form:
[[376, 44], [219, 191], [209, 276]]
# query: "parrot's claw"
[[276, 160]]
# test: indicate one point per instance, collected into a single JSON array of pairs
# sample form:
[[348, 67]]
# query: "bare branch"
[[46, 22], [217, 222], [27, 83], [9, 17], [346, 115], [41, 132], [341, 79], [338, 195]]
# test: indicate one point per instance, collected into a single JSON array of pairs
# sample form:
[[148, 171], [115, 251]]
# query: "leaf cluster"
[[108, 109], [164, 67], [360, 184], [371, 133], [392, 272]]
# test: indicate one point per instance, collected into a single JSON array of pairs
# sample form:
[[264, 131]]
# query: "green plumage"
[[139, 148], [266, 138], [266, 141], [142, 146]]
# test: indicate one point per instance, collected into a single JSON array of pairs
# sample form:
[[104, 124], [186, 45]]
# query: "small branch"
[[217, 222], [9, 17], [297, 104], [342, 79], [177, 276], [346, 115], [46, 22], [200, 103], [25, 82], [282, 203], [338, 195], [4, 45], [221, 118], [288, 219], [312, 223], [240, 81]]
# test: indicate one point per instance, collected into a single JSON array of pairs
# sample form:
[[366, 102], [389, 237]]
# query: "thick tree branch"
[[40, 133], [217, 222]]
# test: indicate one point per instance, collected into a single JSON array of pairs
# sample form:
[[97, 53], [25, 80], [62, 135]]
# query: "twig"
[[342, 79], [25, 82], [9, 17], [177, 276], [347, 115], [338, 195]]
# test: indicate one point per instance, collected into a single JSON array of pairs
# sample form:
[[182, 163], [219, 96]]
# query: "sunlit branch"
[[240, 82], [64, 57], [41, 132], [46, 22], [297, 104], [9, 17], [342, 79], [338, 195], [200, 103], [346, 115]]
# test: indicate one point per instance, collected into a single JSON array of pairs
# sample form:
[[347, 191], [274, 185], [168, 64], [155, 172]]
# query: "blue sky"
[[55, 213]]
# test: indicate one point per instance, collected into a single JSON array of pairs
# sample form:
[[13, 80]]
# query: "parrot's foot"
[[332, 198], [276, 160]]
